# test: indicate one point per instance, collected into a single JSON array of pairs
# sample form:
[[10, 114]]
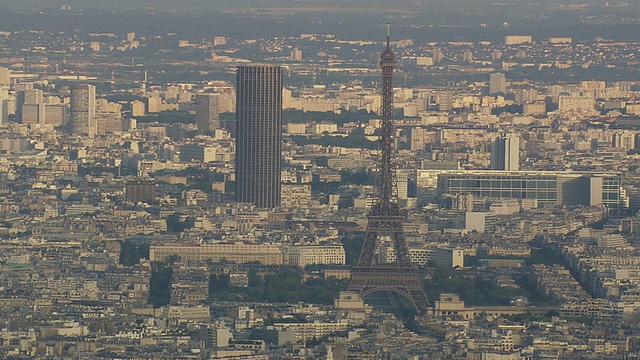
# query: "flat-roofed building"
[[296, 195], [441, 256], [547, 187], [56, 114], [267, 254], [304, 255], [140, 191], [197, 152]]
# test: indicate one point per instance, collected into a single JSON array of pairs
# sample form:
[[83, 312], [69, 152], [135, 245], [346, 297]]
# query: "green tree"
[[285, 285], [352, 244], [160, 284], [130, 254]]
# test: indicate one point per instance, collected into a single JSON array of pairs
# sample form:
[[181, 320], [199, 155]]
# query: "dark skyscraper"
[[259, 134], [505, 152], [208, 112]]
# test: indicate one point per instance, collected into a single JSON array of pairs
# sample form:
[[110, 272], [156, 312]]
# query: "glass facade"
[[549, 189], [259, 134]]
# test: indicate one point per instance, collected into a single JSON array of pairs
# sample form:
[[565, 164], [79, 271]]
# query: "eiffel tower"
[[385, 217]]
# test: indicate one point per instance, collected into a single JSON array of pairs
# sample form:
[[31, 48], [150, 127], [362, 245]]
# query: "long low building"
[[549, 188], [267, 254], [442, 256], [295, 332], [312, 255]]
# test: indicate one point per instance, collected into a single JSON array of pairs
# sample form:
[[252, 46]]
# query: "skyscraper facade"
[[32, 106], [497, 83], [5, 76], [259, 134], [505, 152], [208, 112], [4, 104], [83, 110]]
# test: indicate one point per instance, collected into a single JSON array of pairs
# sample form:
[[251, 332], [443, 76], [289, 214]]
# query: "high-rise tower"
[[505, 152], [4, 104], [32, 106], [208, 113], [83, 110], [259, 134], [385, 217], [497, 83]]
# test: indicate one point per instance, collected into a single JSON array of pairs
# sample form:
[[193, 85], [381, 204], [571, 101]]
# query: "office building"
[[402, 183], [576, 103], [208, 113], [56, 114], [33, 113], [197, 152], [259, 134], [140, 191], [296, 55], [5, 76], [30, 105], [517, 39], [497, 83], [479, 221], [443, 257], [549, 188], [444, 99], [4, 104], [138, 108], [505, 152], [83, 110]]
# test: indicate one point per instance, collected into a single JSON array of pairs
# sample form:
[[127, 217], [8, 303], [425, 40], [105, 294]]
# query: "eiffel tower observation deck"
[[385, 217]]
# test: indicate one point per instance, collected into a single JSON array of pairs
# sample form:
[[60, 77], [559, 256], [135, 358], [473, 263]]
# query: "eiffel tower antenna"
[[388, 33], [385, 217]]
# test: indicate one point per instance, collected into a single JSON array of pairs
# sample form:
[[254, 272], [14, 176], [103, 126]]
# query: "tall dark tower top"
[[387, 58], [258, 134]]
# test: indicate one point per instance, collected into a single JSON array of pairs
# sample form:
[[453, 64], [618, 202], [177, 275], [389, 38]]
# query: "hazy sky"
[[263, 3], [433, 20]]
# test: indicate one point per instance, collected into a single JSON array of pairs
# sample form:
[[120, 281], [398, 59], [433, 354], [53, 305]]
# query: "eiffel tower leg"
[[420, 300], [400, 244], [403, 281], [369, 245]]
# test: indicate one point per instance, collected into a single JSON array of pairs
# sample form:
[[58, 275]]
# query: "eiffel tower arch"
[[385, 217]]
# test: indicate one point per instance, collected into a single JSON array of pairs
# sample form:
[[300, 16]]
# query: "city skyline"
[[276, 180]]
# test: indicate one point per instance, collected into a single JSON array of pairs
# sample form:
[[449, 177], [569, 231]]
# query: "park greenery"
[[353, 140], [476, 291], [160, 284], [301, 117], [348, 177], [291, 285], [174, 224], [284, 286], [130, 253]]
